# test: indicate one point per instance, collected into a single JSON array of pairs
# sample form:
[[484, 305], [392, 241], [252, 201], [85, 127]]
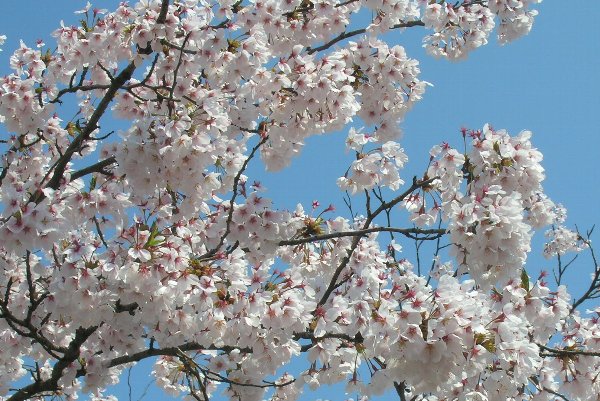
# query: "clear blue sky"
[[546, 82]]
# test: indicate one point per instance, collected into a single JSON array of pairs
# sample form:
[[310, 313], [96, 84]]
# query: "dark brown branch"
[[400, 390], [405, 231], [92, 124], [191, 368], [129, 308], [220, 378], [170, 351], [236, 182], [177, 47], [51, 385], [13, 149], [162, 16], [24, 327], [35, 299], [175, 72], [79, 88], [554, 352], [368, 203], [146, 78], [595, 284], [94, 168], [308, 335], [3, 173], [30, 284], [387, 205], [559, 395], [346, 35], [84, 135], [345, 3], [99, 230], [72, 353]]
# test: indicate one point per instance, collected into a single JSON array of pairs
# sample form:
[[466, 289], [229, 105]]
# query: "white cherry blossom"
[[155, 242]]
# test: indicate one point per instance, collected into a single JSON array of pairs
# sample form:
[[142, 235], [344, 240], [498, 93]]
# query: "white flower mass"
[[153, 243]]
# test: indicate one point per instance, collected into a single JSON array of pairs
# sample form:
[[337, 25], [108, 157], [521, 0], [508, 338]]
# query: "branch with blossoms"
[[593, 291], [50, 385], [55, 175], [356, 32], [430, 234], [554, 352], [384, 206], [171, 351], [24, 326], [155, 246], [99, 167], [230, 209], [91, 124], [82, 87]]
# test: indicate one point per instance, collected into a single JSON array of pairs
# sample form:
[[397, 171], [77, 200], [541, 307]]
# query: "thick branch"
[[72, 353], [554, 352], [400, 390], [51, 384], [162, 16], [84, 135], [94, 168]]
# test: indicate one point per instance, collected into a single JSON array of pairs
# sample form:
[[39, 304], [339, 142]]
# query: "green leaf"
[[152, 240], [524, 279]]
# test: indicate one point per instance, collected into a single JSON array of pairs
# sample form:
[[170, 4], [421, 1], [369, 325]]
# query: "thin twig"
[[405, 231], [236, 182], [333, 283], [346, 35], [595, 284]]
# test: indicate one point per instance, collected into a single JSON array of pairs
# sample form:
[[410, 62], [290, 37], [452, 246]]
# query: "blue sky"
[[546, 82]]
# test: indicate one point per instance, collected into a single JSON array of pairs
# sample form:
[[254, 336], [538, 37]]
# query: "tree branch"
[[84, 135], [94, 168], [595, 284], [51, 384], [78, 88], [333, 284], [554, 352], [92, 124], [170, 351], [236, 182], [404, 231], [346, 35]]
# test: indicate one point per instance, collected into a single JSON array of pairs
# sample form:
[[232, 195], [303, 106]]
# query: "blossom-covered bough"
[[152, 243]]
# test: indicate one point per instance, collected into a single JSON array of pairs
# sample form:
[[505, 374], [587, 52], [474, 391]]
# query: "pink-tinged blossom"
[[152, 241]]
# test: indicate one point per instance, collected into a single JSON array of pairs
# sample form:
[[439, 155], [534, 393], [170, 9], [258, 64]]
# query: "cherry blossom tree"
[[152, 242]]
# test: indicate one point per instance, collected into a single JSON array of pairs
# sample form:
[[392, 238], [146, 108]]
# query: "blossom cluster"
[[493, 199], [459, 28], [377, 167], [150, 241]]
